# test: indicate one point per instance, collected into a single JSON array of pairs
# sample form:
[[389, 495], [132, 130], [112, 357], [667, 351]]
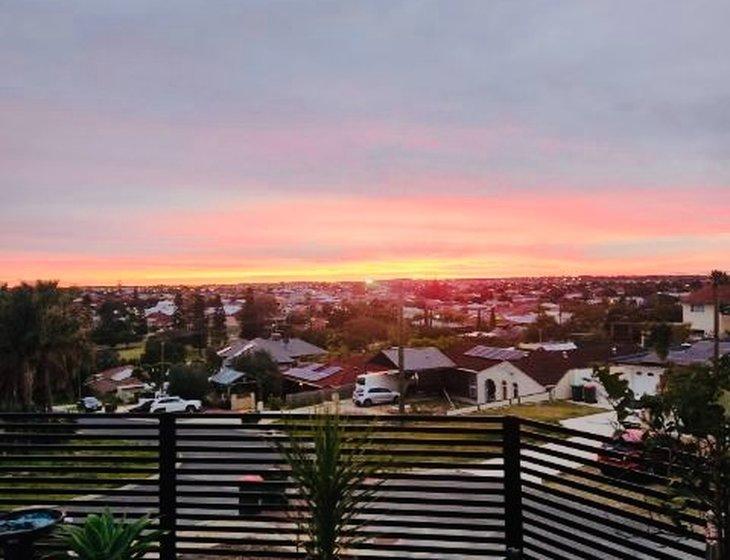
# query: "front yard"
[[549, 411]]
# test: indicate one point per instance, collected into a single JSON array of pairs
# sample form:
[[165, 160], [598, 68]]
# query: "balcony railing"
[[455, 488]]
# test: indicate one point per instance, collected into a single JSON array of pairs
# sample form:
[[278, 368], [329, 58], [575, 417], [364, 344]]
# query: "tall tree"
[[42, 337], [218, 330], [179, 321], [198, 322], [251, 318]]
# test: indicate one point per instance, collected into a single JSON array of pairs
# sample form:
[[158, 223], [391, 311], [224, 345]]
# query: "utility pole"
[[401, 359], [719, 278]]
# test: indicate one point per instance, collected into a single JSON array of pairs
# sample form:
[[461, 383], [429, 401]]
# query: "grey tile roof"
[[226, 376], [283, 351], [420, 359], [697, 353]]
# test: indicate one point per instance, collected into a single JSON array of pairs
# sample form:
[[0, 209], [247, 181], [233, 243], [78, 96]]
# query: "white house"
[[698, 310]]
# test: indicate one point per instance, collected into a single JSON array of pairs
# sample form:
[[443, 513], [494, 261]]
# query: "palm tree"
[[40, 332], [718, 278]]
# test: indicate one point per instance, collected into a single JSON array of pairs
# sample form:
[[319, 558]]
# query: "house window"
[[515, 390], [473, 388], [697, 308]]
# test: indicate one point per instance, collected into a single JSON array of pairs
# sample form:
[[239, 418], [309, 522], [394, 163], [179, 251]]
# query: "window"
[[697, 308], [515, 390], [473, 388], [505, 394]]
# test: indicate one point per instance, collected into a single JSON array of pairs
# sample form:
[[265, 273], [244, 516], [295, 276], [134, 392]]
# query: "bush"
[[189, 381]]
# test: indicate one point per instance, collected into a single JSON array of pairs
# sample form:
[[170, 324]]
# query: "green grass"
[[551, 412], [133, 352]]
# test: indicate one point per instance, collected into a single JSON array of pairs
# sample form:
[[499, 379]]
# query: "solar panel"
[[313, 372], [494, 353]]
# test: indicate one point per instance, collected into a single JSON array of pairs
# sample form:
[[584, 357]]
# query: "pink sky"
[[355, 237], [282, 141]]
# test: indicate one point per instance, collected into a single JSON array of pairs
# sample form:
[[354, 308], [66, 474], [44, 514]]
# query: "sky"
[[223, 142]]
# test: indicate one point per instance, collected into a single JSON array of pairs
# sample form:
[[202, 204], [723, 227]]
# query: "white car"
[[174, 404], [367, 396]]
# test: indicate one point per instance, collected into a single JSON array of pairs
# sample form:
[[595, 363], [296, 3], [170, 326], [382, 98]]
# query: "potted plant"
[[337, 472]]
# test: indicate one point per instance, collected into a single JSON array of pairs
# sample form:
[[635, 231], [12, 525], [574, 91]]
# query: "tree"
[[199, 323], [218, 330], [152, 355], [359, 333], [261, 367], [543, 329], [42, 338], [256, 314], [660, 339], [190, 381], [179, 321], [492, 319], [689, 427], [118, 324]]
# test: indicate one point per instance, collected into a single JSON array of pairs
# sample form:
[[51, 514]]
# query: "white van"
[[376, 388]]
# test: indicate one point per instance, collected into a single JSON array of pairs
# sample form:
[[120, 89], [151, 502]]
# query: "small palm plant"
[[338, 472], [103, 537]]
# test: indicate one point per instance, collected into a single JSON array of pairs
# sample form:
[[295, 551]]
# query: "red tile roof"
[[705, 295]]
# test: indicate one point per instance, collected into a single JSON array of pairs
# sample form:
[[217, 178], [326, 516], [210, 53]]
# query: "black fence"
[[454, 488]]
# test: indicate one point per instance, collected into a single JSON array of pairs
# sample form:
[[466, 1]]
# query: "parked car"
[[174, 404], [142, 406], [626, 454], [90, 404], [368, 396]]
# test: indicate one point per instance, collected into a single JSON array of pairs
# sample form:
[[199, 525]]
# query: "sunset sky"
[[204, 142]]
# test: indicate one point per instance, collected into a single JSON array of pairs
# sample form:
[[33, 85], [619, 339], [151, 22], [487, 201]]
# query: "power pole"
[[719, 278], [401, 358]]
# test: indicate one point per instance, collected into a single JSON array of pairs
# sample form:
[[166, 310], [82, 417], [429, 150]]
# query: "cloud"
[[431, 136]]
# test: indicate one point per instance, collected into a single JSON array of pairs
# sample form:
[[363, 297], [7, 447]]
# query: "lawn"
[[552, 412], [133, 352]]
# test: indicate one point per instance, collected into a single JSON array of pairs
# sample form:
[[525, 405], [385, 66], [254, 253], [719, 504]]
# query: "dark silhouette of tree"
[[179, 321], [260, 367], [43, 343], [218, 330], [199, 322]]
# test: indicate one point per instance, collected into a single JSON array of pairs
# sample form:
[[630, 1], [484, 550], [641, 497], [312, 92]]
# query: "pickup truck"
[[174, 404]]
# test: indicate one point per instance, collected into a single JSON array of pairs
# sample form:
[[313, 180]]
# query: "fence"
[[319, 396], [454, 488]]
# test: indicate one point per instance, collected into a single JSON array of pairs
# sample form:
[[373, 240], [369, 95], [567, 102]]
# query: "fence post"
[[168, 486], [512, 487]]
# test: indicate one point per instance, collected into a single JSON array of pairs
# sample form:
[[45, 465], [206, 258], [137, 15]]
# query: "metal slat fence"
[[453, 487]]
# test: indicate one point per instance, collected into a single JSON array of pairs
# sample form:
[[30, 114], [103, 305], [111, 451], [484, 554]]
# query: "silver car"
[[374, 395]]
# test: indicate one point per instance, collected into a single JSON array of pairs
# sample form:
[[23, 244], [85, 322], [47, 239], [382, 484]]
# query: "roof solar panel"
[[494, 353]]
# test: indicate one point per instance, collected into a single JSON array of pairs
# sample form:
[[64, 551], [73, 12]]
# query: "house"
[[698, 310], [426, 368], [286, 352], [486, 373], [330, 375], [118, 382], [644, 370]]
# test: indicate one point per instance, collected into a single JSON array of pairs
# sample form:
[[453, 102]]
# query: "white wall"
[[643, 379], [505, 371], [699, 320], [576, 376]]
